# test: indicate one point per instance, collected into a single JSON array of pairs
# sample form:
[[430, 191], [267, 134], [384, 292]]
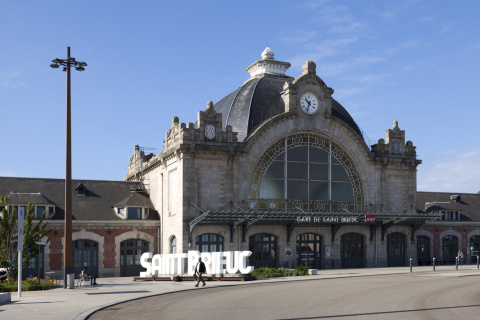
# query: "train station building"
[[277, 167]]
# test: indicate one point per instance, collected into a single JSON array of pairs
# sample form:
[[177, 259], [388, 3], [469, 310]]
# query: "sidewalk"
[[79, 303]]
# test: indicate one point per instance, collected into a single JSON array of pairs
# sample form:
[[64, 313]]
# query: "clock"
[[210, 131], [309, 103]]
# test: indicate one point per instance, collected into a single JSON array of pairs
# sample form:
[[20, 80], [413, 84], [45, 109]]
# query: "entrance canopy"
[[293, 219]]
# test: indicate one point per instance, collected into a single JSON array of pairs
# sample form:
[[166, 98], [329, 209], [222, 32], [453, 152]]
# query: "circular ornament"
[[309, 103]]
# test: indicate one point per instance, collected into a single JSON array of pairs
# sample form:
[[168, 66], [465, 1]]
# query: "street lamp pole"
[[67, 247]]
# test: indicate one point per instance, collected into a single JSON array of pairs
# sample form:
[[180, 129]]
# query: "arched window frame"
[[209, 242], [310, 140]]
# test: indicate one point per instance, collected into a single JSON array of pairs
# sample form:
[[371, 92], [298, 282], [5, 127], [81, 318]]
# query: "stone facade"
[[205, 168]]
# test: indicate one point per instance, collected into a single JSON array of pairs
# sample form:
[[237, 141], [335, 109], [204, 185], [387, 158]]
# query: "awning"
[[292, 219]]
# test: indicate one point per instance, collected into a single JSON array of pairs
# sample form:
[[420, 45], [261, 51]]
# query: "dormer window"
[[134, 213], [80, 189], [134, 207], [121, 211], [39, 211], [450, 215]]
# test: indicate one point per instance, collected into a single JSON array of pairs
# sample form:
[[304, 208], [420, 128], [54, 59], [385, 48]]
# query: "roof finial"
[[267, 53]]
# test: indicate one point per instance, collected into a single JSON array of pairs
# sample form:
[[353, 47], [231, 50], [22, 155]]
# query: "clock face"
[[309, 103], [209, 131]]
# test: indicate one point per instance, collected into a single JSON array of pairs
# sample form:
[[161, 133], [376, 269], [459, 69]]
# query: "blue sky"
[[412, 61]]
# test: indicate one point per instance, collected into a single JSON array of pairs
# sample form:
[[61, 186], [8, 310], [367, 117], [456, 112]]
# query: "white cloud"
[[412, 43], [343, 93], [458, 173], [9, 79], [396, 9], [299, 37], [447, 26], [410, 66]]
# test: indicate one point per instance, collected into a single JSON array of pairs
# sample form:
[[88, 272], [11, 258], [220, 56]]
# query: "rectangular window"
[[296, 170], [40, 210], [297, 189], [18, 209], [272, 189], [318, 190], [121, 211], [172, 183], [134, 213], [318, 171]]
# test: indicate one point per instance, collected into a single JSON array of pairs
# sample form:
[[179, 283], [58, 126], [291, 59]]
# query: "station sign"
[[369, 218], [228, 262]]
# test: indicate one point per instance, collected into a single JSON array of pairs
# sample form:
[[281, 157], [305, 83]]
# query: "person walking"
[[200, 270]]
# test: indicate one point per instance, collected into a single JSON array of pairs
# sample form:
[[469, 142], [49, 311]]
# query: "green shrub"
[[30, 284], [265, 272]]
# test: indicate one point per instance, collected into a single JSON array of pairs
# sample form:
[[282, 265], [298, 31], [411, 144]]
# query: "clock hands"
[[309, 103]]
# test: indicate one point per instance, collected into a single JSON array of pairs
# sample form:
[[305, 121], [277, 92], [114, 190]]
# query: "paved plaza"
[[80, 303]]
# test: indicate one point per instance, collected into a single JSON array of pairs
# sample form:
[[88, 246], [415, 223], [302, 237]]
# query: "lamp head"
[[80, 68], [54, 65]]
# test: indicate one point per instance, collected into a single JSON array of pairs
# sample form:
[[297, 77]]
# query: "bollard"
[[478, 260], [433, 264], [410, 264], [456, 263]]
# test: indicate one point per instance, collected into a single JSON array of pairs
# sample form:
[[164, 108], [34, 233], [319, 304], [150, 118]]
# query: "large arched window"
[[209, 242], [85, 254], [474, 248], [423, 250], [307, 172], [130, 252], [449, 248]]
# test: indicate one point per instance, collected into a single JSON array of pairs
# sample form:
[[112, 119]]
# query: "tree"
[[9, 238]]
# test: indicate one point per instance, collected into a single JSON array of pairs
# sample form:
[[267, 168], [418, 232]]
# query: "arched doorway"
[[474, 248], [209, 242], [85, 254], [423, 250], [309, 250], [264, 250], [449, 248], [396, 249], [130, 252], [352, 250]]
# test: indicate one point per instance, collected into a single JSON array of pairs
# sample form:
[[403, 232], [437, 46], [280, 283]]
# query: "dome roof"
[[259, 99]]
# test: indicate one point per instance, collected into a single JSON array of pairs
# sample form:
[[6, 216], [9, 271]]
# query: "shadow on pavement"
[[377, 313], [117, 292]]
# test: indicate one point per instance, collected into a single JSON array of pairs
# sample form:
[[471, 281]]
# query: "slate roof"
[[259, 99], [468, 203], [135, 199], [25, 198], [97, 203]]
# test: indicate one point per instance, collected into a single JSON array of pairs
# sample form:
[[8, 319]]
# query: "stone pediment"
[[308, 81]]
